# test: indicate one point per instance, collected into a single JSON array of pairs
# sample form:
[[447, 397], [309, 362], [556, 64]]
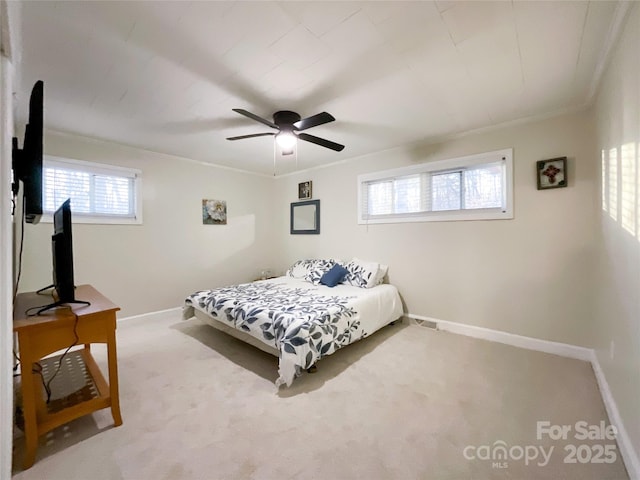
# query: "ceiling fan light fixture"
[[290, 128], [286, 140]]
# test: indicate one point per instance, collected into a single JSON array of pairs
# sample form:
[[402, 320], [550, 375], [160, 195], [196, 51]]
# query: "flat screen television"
[[27, 162], [62, 253]]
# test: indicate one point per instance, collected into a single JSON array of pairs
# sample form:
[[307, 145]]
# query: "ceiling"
[[164, 76]]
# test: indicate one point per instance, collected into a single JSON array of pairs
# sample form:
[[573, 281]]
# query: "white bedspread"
[[304, 322]]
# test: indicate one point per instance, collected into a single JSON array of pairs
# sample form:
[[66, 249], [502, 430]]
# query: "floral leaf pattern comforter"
[[302, 321]]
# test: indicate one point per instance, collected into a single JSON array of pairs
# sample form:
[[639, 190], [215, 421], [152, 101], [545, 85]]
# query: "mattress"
[[297, 320]]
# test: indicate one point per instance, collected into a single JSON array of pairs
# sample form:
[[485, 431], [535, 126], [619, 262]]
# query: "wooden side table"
[[53, 331]]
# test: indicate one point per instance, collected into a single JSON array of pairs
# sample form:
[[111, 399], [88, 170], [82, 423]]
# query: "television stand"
[[39, 292], [39, 337], [60, 304]]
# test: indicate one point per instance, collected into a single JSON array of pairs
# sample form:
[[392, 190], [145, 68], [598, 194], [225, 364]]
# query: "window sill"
[[94, 220], [452, 216]]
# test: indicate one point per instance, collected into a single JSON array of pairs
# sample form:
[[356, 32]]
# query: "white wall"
[[6, 270], [151, 267], [10, 47], [532, 275], [618, 279]]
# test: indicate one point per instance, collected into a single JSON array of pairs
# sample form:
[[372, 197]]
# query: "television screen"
[[27, 163], [62, 251]]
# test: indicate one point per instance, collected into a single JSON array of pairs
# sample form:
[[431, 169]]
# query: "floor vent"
[[424, 323]]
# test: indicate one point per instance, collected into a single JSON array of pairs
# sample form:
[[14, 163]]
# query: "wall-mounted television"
[[27, 162]]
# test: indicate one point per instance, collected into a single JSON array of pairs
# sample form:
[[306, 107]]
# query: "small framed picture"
[[552, 173], [214, 212], [304, 190]]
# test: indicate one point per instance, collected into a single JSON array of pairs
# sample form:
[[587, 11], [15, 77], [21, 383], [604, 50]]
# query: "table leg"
[[113, 378], [28, 407]]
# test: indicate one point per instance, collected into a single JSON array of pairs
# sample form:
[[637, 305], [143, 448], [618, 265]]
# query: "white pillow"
[[311, 269], [382, 272], [319, 268], [362, 274], [300, 268]]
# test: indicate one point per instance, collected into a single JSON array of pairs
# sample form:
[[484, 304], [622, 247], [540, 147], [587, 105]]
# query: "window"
[[99, 193], [477, 187]]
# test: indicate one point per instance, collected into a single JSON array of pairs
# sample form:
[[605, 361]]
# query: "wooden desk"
[[53, 331]]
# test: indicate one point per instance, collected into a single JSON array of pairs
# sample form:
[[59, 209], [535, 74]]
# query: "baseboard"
[[168, 311], [530, 343], [629, 455]]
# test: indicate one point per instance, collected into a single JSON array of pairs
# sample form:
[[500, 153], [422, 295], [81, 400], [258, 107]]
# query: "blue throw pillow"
[[334, 276]]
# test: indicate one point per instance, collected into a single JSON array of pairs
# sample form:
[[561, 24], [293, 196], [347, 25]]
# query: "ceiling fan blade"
[[321, 141], [250, 136], [255, 117], [313, 121]]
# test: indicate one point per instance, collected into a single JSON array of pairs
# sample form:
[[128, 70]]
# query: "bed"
[[300, 317]]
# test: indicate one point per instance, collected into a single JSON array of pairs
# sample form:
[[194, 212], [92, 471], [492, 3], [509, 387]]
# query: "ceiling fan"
[[289, 124]]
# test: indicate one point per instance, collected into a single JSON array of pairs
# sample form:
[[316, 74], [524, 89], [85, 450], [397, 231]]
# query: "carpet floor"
[[405, 403]]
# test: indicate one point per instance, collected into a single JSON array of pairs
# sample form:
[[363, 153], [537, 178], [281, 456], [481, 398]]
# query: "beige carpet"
[[406, 403]]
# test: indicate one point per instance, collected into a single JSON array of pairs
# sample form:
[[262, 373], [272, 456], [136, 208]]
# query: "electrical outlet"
[[612, 349]]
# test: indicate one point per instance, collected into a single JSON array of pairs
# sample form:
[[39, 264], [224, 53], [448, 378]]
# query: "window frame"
[[50, 161], [429, 168]]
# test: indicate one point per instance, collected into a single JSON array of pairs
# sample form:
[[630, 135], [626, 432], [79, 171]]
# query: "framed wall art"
[[214, 212], [304, 190], [305, 217], [552, 173]]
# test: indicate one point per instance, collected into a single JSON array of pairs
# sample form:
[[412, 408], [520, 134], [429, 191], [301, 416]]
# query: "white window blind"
[[99, 193], [467, 188]]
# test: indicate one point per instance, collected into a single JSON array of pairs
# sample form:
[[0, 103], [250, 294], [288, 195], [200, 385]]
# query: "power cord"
[[29, 311], [37, 366], [19, 273], [17, 365], [47, 384], [15, 289], [38, 370]]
